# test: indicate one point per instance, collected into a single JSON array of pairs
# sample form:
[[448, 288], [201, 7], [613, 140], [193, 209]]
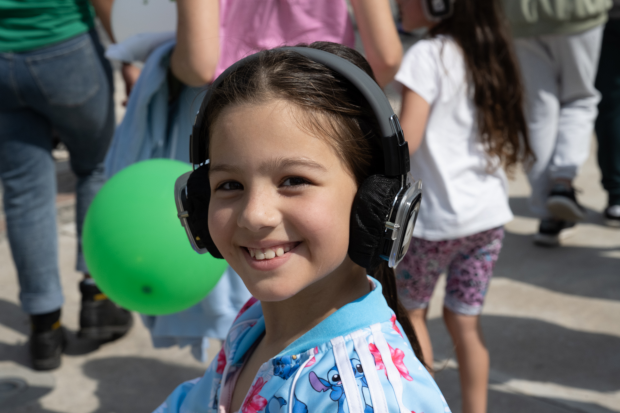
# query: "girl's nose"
[[260, 210]]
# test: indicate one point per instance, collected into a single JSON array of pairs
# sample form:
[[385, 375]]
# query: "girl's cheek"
[[219, 225], [327, 221]]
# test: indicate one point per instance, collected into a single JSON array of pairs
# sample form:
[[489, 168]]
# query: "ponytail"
[[385, 275]]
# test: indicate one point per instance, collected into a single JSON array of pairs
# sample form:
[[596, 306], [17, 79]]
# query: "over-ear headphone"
[[437, 10], [385, 207]]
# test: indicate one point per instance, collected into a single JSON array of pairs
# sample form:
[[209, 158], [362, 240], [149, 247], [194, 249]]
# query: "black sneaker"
[[552, 231], [100, 318], [562, 204], [612, 216], [47, 341]]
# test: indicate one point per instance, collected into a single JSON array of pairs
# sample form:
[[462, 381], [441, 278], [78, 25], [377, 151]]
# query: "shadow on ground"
[[132, 384], [126, 384], [32, 393], [583, 271], [520, 207], [12, 316], [31, 408], [505, 402], [538, 352]]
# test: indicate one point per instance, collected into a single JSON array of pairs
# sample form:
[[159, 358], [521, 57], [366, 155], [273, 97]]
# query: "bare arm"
[[380, 37], [413, 118], [103, 8], [197, 51]]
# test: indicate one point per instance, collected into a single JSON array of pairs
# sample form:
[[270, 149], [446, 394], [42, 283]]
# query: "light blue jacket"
[[355, 361], [154, 128]]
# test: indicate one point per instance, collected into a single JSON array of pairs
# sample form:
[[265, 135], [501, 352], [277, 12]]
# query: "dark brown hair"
[[332, 109], [480, 29]]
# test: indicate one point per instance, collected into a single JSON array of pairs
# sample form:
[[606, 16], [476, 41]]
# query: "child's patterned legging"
[[468, 262]]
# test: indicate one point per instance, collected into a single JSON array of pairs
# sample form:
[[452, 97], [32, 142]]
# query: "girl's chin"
[[273, 290]]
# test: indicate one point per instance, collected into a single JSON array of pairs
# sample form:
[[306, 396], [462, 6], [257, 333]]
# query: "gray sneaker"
[[552, 231], [562, 204]]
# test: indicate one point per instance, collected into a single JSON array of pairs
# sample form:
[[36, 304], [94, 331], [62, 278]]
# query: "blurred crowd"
[[492, 85]]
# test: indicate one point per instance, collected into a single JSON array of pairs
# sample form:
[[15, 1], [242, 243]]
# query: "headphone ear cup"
[[198, 197], [371, 207]]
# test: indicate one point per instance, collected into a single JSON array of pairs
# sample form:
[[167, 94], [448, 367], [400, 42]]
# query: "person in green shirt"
[[53, 80], [558, 44]]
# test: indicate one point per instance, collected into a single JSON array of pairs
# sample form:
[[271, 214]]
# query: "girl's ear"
[[371, 207]]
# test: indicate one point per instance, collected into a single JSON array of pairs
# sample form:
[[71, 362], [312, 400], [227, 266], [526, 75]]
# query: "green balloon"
[[135, 247]]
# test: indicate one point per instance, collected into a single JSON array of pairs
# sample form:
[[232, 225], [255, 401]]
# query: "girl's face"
[[280, 200]]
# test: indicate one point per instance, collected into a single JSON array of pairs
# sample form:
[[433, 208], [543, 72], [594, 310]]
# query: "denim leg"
[[29, 179], [67, 87], [88, 184], [80, 108]]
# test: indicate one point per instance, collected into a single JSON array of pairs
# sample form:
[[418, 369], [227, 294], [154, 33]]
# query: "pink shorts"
[[468, 261]]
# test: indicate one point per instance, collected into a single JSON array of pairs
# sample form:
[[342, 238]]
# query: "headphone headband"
[[385, 207], [396, 155]]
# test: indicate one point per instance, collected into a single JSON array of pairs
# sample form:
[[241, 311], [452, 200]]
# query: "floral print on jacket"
[[369, 369]]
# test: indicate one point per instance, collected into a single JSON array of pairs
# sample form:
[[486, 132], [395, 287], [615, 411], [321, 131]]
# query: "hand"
[[130, 76]]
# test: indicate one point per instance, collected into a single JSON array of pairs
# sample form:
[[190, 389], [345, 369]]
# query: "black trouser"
[[608, 122]]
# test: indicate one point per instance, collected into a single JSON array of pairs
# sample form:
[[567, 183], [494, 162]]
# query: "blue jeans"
[[67, 88]]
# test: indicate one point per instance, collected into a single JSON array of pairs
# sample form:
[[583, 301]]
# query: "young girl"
[[289, 142], [462, 117]]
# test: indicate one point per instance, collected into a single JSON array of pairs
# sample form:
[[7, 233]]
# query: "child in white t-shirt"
[[462, 117]]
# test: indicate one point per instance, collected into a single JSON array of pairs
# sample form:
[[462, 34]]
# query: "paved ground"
[[552, 323]]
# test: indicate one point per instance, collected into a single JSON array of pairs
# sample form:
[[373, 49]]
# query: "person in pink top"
[[213, 34]]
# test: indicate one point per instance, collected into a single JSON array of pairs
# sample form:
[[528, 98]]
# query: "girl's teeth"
[[268, 253]]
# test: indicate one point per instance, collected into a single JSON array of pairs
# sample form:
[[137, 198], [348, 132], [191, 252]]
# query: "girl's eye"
[[294, 181], [230, 186]]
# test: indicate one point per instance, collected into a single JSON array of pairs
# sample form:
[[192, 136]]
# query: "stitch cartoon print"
[[310, 376], [285, 366], [334, 383]]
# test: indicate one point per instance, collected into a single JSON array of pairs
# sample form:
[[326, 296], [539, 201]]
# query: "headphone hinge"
[[396, 157], [396, 150]]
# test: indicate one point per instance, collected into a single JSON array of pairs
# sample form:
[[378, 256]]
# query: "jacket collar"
[[363, 312]]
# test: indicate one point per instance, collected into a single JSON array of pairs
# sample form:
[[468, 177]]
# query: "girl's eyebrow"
[[279, 163]]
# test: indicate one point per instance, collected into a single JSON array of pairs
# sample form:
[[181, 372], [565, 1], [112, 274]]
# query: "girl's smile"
[[268, 259], [281, 199]]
